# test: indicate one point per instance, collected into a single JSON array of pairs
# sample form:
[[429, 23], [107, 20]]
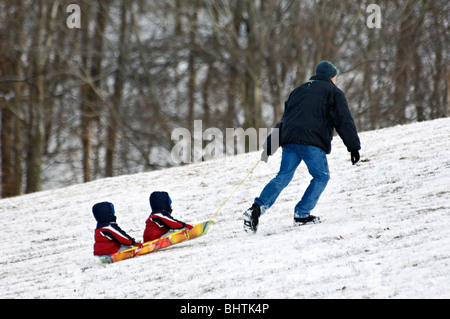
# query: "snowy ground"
[[385, 230]]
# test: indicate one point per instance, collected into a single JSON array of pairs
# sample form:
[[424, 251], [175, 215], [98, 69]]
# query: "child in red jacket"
[[160, 220], [109, 238]]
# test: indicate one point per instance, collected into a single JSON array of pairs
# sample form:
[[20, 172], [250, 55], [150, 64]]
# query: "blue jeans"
[[293, 154]]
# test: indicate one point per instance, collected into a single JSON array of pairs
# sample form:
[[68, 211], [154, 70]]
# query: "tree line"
[[101, 99]]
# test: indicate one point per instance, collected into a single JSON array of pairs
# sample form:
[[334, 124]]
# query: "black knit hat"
[[326, 68], [104, 214], [160, 201]]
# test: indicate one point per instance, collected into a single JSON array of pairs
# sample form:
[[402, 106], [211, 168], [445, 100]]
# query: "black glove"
[[355, 157]]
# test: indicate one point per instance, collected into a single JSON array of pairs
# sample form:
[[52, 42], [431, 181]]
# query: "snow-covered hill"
[[385, 230]]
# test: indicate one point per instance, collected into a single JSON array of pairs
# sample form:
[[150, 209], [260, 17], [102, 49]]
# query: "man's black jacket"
[[311, 114]]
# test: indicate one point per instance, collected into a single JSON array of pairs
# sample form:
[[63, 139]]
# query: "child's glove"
[[139, 245], [189, 227]]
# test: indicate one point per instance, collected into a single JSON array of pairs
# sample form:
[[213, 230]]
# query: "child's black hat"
[[104, 214]]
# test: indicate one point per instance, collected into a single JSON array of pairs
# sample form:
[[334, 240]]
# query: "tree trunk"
[[6, 149], [90, 101], [117, 96], [37, 108]]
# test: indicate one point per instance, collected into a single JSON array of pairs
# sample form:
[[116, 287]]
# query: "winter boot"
[[306, 221], [251, 219]]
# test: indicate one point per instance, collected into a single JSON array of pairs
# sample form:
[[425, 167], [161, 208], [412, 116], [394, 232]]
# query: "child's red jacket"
[[109, 238], [160, 223]]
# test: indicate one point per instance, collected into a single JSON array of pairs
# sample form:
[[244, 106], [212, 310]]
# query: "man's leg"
[[289, 163], [316, 161]]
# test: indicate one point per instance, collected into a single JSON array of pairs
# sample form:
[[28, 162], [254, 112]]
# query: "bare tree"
[[92, 53], [11, 71], [102, 100]]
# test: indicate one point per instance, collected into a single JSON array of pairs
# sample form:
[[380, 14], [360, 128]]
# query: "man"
[[311, 114]]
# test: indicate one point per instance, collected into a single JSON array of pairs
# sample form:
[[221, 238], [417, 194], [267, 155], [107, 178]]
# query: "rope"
[[235, 190]]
